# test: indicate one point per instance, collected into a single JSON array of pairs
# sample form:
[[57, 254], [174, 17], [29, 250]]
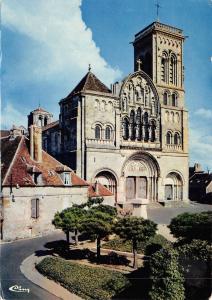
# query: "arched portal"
[[107, 179], [141, 172], [173, 187]]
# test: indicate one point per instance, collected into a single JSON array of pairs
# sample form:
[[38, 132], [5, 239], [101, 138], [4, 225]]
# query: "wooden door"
[[130, 187], [168, 192], [141, 187]]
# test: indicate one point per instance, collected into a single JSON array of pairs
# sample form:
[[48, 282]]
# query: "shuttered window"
[[35, 208]]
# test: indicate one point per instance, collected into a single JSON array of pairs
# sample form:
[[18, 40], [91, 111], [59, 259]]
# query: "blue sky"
[[48, 44]]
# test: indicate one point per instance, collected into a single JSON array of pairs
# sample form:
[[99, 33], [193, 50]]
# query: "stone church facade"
[[133, 138]]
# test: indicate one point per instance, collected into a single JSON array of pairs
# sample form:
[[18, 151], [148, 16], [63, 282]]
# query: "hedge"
[[166, 275], [152, 245], [84, 281]]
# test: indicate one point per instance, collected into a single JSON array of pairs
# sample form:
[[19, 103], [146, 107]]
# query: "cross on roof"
[[157, 6], [89, 67], [139, 63]]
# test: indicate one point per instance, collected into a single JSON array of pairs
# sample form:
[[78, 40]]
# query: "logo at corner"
[[18, 289]]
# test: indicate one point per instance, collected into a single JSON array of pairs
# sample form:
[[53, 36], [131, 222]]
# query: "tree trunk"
[[67, 237], [98, 248], [76, 237], [135, 255]]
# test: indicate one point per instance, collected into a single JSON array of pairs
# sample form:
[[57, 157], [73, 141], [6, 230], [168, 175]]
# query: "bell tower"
[[160, 48]]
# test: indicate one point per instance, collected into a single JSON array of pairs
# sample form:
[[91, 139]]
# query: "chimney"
[[96, 187], [35, 137]]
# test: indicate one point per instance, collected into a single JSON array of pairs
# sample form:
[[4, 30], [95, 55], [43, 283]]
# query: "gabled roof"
[[90, 82], [18, 167], [200, 179], [4, 133], [51, 125], [39, 109], [99, 191]]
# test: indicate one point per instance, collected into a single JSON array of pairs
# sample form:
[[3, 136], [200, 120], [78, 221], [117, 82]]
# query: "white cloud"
[[65, 44], [10, 116], [200, 148], [205, 113]]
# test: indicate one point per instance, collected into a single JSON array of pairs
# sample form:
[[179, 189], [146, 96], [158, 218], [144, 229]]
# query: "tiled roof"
[[92, 83], [200, 179], [4, 133], [39, 109], [102, 191], [51, 125], [8, 150], [18, 163]]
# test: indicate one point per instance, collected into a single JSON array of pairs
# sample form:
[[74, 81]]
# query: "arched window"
[[45, 121], [168, 138], [108, 133], [165, 98], [173, 69], [40, 121], [176, 139], [132, 125], [164, 67], [125, 129], [138, 125], [174, 100], [98, 132]]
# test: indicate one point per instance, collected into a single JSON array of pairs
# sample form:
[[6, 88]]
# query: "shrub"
[[148, 247], [166, 276], [85, 281], [195, 250], [192, 226]]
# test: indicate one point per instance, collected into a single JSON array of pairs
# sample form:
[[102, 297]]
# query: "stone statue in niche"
[[124, 102], [153, 107]]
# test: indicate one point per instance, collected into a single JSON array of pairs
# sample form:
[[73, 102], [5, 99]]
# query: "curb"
[[27, 267]]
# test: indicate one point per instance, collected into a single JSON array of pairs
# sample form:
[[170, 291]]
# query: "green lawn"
[[84, 281]]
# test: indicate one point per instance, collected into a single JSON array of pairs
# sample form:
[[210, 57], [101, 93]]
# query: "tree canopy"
[[135, 229], [98, 223], [192, 226], [70, 220]]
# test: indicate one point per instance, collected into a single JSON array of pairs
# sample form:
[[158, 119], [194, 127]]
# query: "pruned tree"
[[98, 223], [69, 220], [135, 229], [190, 226]]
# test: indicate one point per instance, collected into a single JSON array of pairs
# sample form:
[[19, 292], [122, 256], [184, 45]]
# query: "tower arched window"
[[176, 138], [108, 133], [98, 132], [165, 98], [173, 69], [164, 67], [174, 100], [45, 121], [168, 138]]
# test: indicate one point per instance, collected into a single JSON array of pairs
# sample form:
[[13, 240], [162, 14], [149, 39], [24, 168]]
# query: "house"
[[200, 185], [35, 186]]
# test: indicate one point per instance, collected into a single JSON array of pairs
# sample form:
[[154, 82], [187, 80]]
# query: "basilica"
[[132, 138]]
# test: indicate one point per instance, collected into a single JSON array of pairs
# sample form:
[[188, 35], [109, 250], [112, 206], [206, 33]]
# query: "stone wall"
[[17, 213]]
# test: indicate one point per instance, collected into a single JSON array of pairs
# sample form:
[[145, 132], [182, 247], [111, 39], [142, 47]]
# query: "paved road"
[[163, 215], [11, 257]]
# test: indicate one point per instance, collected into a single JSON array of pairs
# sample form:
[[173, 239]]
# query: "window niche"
[[169, 138], [98, 131], [108, 133], [35, 208], [67, 178]]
